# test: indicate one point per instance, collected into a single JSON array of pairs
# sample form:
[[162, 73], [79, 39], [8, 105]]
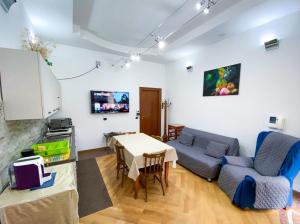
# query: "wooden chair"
[[130, 132], [153, 165], [121, 164]]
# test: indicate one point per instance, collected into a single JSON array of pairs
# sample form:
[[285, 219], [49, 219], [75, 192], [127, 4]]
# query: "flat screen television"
[[109, 102]]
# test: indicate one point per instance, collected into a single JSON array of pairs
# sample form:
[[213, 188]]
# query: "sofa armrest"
[[271, 192], [238, 161]]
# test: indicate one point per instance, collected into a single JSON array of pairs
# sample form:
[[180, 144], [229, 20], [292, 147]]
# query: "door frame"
[[159, 114]]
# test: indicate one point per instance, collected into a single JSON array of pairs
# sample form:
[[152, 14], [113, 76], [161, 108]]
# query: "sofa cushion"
[[216, 149], [231, 176], [200, 142], [193, 158], [186, 138]]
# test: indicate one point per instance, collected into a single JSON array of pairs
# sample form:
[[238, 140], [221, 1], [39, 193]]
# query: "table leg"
[[136, 187], [166, 173]]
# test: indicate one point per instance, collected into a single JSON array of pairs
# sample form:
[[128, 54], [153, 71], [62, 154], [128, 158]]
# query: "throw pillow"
[[186, 138], [216, 149], [201, 142]]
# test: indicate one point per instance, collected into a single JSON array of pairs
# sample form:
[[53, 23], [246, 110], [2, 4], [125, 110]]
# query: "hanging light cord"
[[80, 75]]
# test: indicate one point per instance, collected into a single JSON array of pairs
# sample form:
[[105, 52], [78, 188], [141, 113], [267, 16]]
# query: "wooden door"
[[150, 111]]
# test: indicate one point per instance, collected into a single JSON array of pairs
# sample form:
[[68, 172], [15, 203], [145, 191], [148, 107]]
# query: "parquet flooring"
[[189, 199]]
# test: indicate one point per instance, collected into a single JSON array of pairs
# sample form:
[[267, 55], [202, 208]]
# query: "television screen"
[[109, 102]]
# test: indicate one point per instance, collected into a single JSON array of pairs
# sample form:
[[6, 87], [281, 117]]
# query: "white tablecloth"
[[137, 144], [55, 204]]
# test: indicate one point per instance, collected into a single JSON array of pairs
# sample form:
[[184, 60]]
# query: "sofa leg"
[[209, 179]]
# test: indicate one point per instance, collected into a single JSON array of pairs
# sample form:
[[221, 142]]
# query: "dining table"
[[135, 145]]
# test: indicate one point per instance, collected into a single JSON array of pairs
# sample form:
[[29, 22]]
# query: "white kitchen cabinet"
[[29, 89]]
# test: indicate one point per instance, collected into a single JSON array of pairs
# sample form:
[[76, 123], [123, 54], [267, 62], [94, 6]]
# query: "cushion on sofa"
[[186, 138], [216, 149], [201, 142]]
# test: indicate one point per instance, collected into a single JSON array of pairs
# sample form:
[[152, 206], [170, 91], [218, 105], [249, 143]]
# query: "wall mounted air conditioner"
[[6, 4]]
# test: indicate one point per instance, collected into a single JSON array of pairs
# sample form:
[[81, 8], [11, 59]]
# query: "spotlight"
[[133, 57], [136, 57], [206, 11], [198, 6], [161, 44], [127, 65]]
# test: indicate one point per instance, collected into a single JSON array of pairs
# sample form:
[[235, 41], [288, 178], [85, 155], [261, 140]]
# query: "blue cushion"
[[216, 149], [186, 138]]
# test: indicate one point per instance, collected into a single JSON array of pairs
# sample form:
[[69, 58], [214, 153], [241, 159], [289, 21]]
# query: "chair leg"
[[146, 189], [118, 169], [123, 175], [162, 184]]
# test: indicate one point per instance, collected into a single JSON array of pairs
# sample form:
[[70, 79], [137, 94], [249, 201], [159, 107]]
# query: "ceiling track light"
[[198, 6], [206, 11], [128, 64], [202, 6], [205, 5], [160, 42], [135, 57]]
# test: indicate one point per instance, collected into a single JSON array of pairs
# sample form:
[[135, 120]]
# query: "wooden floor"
[[189, 199]]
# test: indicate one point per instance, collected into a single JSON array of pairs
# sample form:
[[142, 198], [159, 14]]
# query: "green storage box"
[[51, 148]]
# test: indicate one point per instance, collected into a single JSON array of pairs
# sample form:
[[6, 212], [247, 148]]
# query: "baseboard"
[[92, 150]]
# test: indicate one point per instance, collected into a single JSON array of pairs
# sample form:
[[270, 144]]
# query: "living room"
[[163, 57]]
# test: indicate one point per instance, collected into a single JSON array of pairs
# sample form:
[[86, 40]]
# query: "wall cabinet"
[[29, 89]]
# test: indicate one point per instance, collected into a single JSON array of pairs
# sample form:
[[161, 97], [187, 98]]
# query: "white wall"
[[12, 25], [68, 61], [269, 84]]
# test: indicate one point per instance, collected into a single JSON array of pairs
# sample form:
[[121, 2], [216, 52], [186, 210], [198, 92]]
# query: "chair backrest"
[[232, 142], [120, 153], [130, 132], [154, 162], [272, 152]]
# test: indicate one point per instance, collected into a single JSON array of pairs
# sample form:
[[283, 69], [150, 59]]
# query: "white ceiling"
[[123, 22], [117, 26]]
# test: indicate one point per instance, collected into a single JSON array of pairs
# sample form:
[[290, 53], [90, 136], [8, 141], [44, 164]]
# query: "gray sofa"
[[192, 149]]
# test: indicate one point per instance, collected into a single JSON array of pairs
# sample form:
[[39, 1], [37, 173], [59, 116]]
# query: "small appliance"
[[58, 127], [28, 172], [60, 124]]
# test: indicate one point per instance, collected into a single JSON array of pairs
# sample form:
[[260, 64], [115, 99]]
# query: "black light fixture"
[[189, 68], [272, 44]]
